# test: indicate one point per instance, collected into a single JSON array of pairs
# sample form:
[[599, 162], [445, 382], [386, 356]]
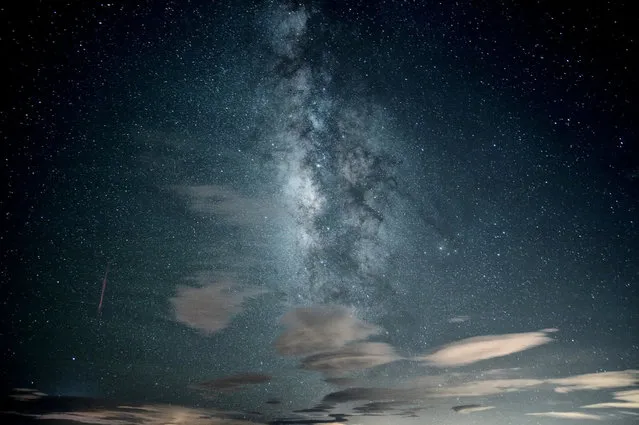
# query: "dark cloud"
[[371, 394], [340, 381], [465, 407], [286, 26], [320, 408], [318, 329], [26, 394], [306, 421], [234, 382], [353, 356], [471, 408], [378, 407]]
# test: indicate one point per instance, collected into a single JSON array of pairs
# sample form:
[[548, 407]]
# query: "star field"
[[320, 212]]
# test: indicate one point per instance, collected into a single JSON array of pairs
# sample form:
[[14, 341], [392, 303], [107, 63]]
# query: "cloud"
[[234, 382], [471, 408], [627, 400], [372, 395], [227, 203], [459, 319], [485, 388], [94, 417], [319, 408], [593, 381], [340, 381], [567, 415], [322, 328], [448, 385], [597, 381], [26, 394], [379, 407], [437, 389], [209, 308], [479, 348], [361, 355], [142, 415]]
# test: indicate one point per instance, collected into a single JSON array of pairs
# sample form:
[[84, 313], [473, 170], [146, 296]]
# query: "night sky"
[[363, 212]]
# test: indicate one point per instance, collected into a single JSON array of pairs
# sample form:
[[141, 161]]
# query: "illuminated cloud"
[[449, 385], [567, 415], [354, 356], [318, 329], [209, 308], [142, 415], [627, 400], [471, 350], [597, 381]]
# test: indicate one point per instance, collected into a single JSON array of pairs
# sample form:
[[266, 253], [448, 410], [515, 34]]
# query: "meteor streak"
[[104, 282]]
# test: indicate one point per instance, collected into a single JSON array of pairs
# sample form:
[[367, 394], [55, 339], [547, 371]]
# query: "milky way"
[[336, 169]]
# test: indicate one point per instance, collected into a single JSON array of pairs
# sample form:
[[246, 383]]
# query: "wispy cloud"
[[361, 355], [233, 382], [26, 394], [372, 394], [440, 387], [485, 388], [626, 400], [143, 415], [227, 203]]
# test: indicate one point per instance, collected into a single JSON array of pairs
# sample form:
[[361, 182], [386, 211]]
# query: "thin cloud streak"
[[567, 415], [233, 382], [627, 400]]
